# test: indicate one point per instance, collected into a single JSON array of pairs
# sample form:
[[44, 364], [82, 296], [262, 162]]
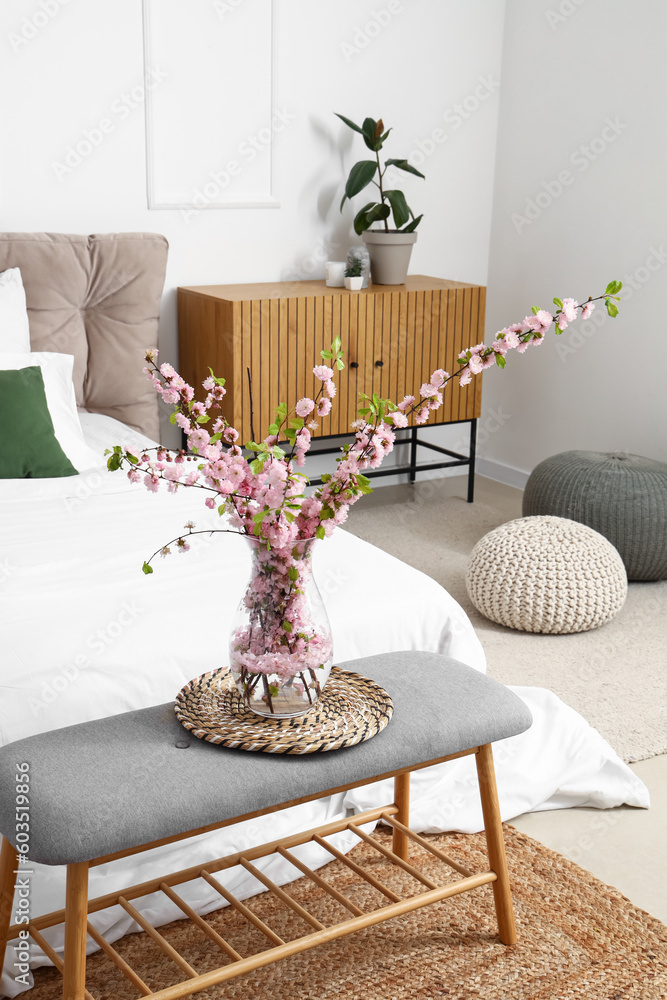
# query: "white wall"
[[428, 57], [569, 67]]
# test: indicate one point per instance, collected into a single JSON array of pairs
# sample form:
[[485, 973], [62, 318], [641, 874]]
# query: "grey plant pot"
[[390, 255]]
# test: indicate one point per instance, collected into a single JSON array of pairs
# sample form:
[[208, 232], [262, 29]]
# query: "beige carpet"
[[615, 676], [578, 938]]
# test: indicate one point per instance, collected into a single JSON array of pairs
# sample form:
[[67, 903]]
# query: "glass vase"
[[281, 649]]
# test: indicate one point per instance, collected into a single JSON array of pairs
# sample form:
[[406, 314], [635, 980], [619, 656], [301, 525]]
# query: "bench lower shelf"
[[395, 815]]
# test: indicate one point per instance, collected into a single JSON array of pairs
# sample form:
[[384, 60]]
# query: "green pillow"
[[29, 448]]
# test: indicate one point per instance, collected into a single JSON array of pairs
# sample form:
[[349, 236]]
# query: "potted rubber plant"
[[389, 248]]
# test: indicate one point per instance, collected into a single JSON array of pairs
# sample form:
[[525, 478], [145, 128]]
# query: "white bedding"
[[86, 635]]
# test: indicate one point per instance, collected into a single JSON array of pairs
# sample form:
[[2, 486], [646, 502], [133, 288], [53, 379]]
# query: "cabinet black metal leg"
[[413, 454], [471, 467]]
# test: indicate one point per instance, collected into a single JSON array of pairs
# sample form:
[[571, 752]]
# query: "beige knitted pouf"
[[546, 574]]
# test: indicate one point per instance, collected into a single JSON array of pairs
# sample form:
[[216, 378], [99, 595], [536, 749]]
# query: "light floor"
[[623, 847]]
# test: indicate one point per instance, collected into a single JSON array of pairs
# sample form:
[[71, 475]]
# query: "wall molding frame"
[[156, 200]]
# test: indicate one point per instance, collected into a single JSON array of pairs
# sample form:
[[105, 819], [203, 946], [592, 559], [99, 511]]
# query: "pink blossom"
[[422, 415], [323, 373], [511, 336], [330, 388], [208, 383], [134, 476], [210, 503], [167, 370], [465, 375], [476, 364], [151, 482], [439, 377], [323, 407], [304, 407], [523, 347], [489, 361], [399, 419], [170, 395], [198, 439], [171, 473], [587, 309], [406, 402], [436, 402], [561, 322], [230, 435], [500, 347], [569, 309], [428, 390]]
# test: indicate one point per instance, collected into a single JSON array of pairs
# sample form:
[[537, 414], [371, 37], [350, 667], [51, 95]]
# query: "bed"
[[86, 634]]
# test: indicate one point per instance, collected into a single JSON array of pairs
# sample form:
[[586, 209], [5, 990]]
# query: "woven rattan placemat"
[[352, 709]]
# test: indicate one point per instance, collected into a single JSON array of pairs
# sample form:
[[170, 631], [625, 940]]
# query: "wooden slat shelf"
[[279, 948]]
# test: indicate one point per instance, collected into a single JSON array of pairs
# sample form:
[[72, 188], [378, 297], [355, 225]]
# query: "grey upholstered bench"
[[118, 786]]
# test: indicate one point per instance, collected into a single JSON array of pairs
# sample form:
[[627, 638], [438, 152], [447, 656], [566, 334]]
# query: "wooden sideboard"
[[393, 336]]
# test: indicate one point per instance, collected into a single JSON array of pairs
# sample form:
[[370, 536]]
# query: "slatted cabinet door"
[[393, 338]]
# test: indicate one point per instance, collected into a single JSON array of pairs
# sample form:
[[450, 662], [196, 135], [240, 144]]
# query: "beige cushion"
[[98, 298]]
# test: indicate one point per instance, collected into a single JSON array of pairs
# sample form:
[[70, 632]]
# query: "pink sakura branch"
[[262, 494]]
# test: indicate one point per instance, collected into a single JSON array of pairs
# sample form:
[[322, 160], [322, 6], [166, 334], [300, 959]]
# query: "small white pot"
[[354, 284]]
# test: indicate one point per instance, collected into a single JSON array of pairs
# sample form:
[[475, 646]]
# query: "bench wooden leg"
[[76, 917], [400, 842], [9, 863], [495, 844]]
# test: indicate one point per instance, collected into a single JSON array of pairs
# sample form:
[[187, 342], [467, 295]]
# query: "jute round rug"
[[578, 938]]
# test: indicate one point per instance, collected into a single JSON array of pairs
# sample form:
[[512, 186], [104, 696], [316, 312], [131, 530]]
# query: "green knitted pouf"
[[624, 497]]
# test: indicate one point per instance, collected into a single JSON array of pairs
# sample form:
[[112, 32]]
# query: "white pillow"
[[14, 329], [61, 401]]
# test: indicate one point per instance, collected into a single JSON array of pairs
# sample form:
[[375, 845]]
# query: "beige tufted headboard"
[[98, 298]]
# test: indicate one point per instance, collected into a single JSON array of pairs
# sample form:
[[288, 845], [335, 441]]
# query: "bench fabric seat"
[[106, 786]]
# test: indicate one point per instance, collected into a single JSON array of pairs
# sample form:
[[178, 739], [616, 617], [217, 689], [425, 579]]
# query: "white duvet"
[[86, 634]]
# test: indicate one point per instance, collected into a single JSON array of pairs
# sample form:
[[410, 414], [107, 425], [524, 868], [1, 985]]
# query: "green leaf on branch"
[[500, 361], [361, 175], [203, 419], [559, 303], [287, 626], [274, 428], [612, 309], [404, 165], [319, 533], [277, 452], [411, 226], [399, 206], [146, 569], [172, 417], [113, 463], [293, 573], [256, 466], [349, 123], [373, 212], [218, 381], [298, 423], [369, 130], [340, 364], [536, 309], [613, 288]]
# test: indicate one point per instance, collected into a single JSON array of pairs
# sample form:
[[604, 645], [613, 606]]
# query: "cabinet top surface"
[[303, 289]]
